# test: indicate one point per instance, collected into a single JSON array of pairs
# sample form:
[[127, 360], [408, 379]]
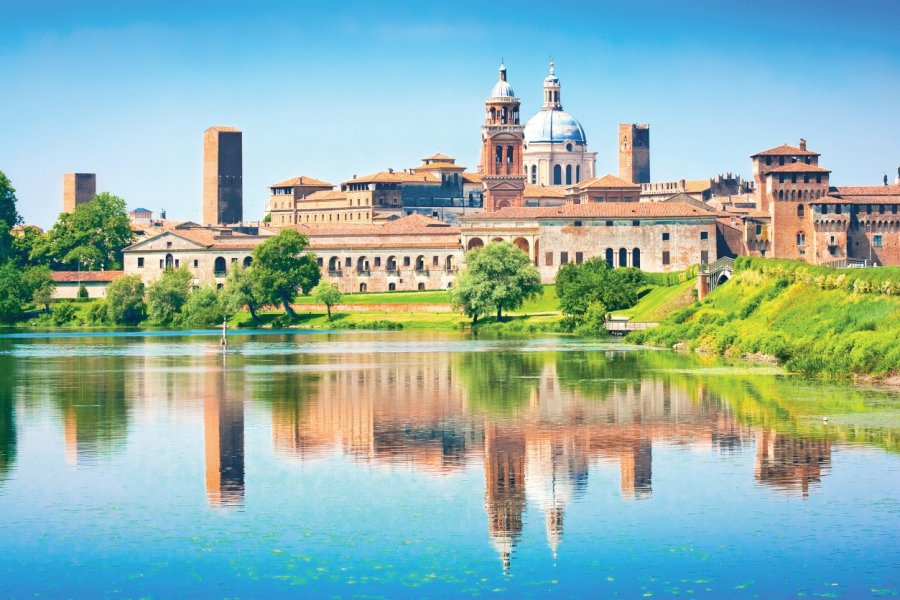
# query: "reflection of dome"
[[554, 125]]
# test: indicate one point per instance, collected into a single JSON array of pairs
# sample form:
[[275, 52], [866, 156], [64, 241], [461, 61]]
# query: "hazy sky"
[[332, 89]]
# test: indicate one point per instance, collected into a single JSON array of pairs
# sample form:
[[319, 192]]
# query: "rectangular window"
[[405, 261], [759, 230], [609, 223], [636, 223], [196, 263], [177, 262], [349, 262], [319, 262], [704, 235], [577, 223], [665, 236], [377, 261], [435, 261], [704, 257], [563, 258], [160, 263], [837, 209], [548, 259], [666, 257], [140, 262], [579, 257], [233, 260], [876, 241], [168, 244]]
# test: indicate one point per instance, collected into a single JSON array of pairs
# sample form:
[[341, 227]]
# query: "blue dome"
[[553, 125], [502, 90]]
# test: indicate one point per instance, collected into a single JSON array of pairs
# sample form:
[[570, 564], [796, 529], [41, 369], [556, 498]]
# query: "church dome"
[[502, 89], [554, 125]]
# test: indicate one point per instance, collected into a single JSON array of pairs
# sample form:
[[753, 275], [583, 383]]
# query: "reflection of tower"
[[636, 470], [556, 471], [7, 427], [504, 496], [791, 464], [223, 434]]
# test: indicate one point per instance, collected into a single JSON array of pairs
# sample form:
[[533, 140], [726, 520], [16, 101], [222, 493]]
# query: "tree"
[[94, 234], [241, 290], [203, 308], [577, 286], [40, 282], [497, 277], [9, 216], [125, 301], [12, 293], [281, 267], [23, 245], [328, 294], [167, 295]]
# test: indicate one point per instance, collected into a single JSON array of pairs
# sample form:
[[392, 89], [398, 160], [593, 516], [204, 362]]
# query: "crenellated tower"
[[502, 142]]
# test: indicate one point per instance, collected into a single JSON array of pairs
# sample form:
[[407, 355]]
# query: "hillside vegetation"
[[813, 320]]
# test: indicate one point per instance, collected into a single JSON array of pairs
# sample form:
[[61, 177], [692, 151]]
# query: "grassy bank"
[[813, 320], [657, 302]]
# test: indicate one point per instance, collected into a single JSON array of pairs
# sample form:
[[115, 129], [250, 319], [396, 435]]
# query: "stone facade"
[[223, 188], [78, 188], [608, 188], [67, 283], [659, 237], [287, 200], [634, 152]]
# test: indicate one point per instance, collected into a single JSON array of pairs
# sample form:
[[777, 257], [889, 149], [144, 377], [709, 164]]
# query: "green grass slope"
[[658, 302], [808, 328]]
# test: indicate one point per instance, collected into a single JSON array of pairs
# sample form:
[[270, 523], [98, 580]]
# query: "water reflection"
[[539, 420], [223, 436]]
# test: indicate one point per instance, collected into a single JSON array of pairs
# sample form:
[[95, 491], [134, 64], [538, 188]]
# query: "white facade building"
[[555, 143]]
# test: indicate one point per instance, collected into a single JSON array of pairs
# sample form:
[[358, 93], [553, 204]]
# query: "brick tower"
[[502, 142], [78, 188], [223, 188], [634, 152]]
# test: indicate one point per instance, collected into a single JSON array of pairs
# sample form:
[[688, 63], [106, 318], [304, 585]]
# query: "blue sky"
[[329, 90]]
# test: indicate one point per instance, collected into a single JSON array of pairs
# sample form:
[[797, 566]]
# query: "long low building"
[[67, 283], [657, 236]]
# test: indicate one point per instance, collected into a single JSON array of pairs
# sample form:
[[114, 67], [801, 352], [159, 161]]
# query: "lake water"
[[407, 464]]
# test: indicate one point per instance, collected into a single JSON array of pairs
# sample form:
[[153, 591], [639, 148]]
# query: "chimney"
[[391, 171], [802, 144]]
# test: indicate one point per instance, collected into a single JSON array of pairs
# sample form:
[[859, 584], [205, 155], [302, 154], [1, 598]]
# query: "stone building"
[[659, 237], [634, 152], [545, 195], [78, 188], [414, 252], [223, 188], [555, 151], [502, 143], [208, 252], [608, 188], [67, 283], [286, 199]]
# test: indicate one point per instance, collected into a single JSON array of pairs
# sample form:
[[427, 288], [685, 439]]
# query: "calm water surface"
[[406, 464]]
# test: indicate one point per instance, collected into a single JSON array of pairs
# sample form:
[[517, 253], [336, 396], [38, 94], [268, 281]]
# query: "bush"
[[125, 301], [202, 309], [594, 322], [63, 313], [83, 292]]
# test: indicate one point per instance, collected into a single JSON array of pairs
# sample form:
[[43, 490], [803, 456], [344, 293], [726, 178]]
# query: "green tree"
[[328, 294], [40, 282], [23, 245], [167, 295], [94, 234], [83, 292], [281, 267], [578, 286], [13, 294], [241, 290], [9, 216], [125, 301], [203, 308], [497, 277]]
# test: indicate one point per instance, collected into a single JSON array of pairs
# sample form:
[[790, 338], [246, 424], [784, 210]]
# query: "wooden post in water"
[[224, 341]]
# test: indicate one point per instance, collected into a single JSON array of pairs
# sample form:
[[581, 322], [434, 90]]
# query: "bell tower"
[[502, 143]]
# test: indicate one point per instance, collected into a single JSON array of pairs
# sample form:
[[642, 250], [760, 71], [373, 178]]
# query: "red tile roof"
[[799, 167], [325, 195], [301, 181], [472, 177], [395, 177], [438, 156], [785, 150], [414, 224], [867, 190], [85, 276], [607, 181], [545, 191], [440, 165], [629, 210]]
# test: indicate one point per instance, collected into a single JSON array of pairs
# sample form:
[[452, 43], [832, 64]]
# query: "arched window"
[[610, 258], [578, 174], [623, 257], [793, 194], [498, 151], [392, 287], [420, 263], [534, 174], [475, 243], [568, 174], [781, 194], [170, 262], [493, 114], [800, 210], [363, 287], [421, 285], [248, 260], [557, 175], [636, 258], [801, 239], [219, 266], [509, 155]]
